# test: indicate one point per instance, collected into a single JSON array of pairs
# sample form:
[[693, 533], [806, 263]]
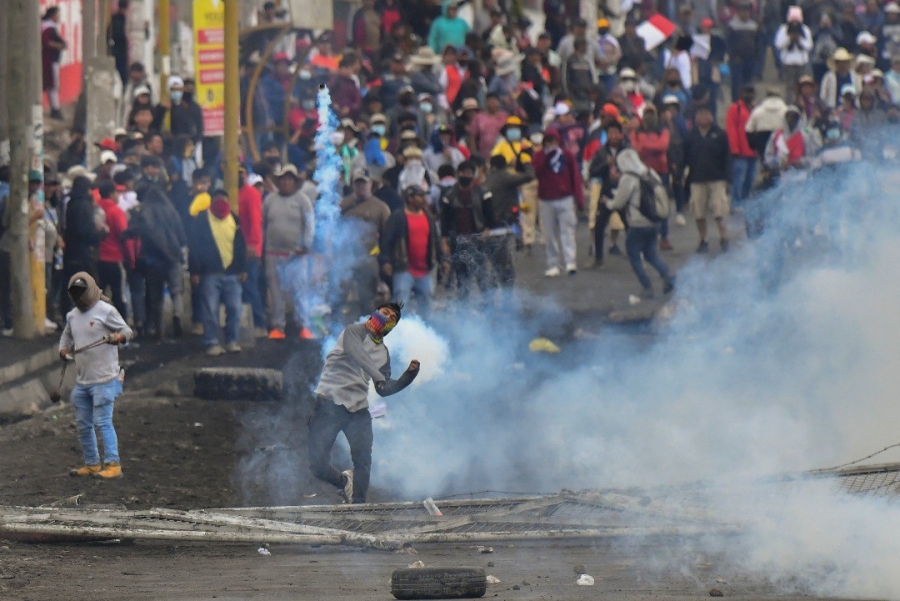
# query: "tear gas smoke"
[[782, 356]]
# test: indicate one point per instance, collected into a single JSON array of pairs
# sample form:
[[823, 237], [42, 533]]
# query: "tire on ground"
[[439, 583], [237, 384]]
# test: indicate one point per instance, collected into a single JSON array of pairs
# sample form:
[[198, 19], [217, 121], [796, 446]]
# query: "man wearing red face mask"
[[359, 356], [217, 262]]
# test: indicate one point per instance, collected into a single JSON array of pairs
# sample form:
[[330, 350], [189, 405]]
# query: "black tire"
[[439, 583], [237, 384]]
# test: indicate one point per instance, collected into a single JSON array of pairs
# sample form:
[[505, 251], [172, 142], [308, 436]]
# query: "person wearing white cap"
[[794, 42], [186, 115], [108, 160], [137, 78]]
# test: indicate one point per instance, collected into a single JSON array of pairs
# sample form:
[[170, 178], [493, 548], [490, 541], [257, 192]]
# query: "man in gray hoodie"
[[358, 357], [642, 232], [93, 330]]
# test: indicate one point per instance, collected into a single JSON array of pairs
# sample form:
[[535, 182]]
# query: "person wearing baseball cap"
[[289, 231], [108, 160], [370, 214]]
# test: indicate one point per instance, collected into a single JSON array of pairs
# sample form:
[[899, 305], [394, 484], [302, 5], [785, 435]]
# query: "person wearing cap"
[[743, 157], [429, 117], [409, 251], [793, 145], [108, 160], [111, 251], [99, 378], [808, 100], [449, 29], [794, 42], [651, 141], [346, 99], [628, 86], [143, 101], [369, 214], [607, 55], [765, 118], [414, 171], [845, 111], [708, 157], [290, 226], [422, 74], [561, 190], [840, 73], [742, 39], [186, 116], [442, 150], [217, 264], [888, 35]]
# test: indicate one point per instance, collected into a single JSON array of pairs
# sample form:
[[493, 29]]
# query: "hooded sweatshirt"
[[446, 31], [628, 193], [764, 119], [92, 320]]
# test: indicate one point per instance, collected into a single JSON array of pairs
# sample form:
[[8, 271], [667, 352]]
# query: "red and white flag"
[[655, 30]]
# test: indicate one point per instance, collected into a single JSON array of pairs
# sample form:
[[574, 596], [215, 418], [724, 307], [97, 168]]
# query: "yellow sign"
[[209, 63]]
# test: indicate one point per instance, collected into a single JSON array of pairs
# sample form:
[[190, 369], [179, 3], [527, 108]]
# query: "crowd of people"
[[463, 147]]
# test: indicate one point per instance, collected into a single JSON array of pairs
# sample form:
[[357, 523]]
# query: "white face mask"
[[337, 138], [628, 85]]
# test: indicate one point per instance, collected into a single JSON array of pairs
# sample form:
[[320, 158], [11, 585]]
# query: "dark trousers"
[[111, 275], [642, 241], [328, 420], [502, 254], [742, 73], [602, 222], [137, 285], [6, 318]]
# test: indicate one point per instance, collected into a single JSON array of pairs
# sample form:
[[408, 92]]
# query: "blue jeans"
[[406, 283], [215, 289], [252, 294], [743, 175], [94, 408], [642, 241]]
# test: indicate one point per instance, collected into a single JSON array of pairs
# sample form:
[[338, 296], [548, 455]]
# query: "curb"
[[33, 363]]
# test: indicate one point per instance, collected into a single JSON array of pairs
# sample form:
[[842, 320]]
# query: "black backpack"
[[654, 203]]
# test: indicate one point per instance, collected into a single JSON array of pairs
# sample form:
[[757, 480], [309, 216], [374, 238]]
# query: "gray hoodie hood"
[[628, 161]]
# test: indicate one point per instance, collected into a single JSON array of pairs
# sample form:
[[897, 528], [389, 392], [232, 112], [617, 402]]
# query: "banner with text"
[[209, 63]]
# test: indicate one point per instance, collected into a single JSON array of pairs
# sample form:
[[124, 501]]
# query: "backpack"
[[654, 203]]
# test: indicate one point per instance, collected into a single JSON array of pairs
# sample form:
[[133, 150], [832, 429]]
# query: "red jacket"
[[736, 127], [250, 216], [111, 250], [554, 186], [652, 147]]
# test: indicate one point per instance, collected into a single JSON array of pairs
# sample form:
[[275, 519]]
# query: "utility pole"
[[232, 97], [164, 42], [36, 146], [22, 39]]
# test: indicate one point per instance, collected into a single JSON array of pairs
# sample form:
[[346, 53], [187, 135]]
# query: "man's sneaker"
[[112, 470], [725, 245], [553, 272], [704, 247], [664, 244], [86, 470], [680, 221], [50, 326], [276, 334], [7, 332], [572, 268], [233, 347], [215, 351], [614, 250], [197, 329], [305, 334], [260, 333], [669, 286], [347, 493]]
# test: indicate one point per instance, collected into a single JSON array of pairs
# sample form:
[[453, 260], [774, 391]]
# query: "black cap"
[[79, 283]]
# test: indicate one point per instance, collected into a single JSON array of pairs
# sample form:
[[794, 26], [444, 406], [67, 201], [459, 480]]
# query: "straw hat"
[[507, 63], [424, 57]]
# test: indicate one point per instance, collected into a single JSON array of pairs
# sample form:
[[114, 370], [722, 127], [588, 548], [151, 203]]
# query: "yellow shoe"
[[86, 470], [112, 470]]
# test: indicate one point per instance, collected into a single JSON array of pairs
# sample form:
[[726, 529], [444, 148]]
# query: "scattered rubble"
[[263, 551], [416, 565], [714, 592], [492, 579], [585, 580]]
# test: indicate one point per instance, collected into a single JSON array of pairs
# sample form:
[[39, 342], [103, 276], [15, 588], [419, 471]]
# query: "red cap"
[[108, 144], [706, 23], [281, 56], [611, 110]]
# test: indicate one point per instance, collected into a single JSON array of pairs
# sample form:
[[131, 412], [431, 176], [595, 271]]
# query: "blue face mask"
[[176, 96], [305, 75], [426, 107], [833, 133], [514, 135], [379, 129]]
